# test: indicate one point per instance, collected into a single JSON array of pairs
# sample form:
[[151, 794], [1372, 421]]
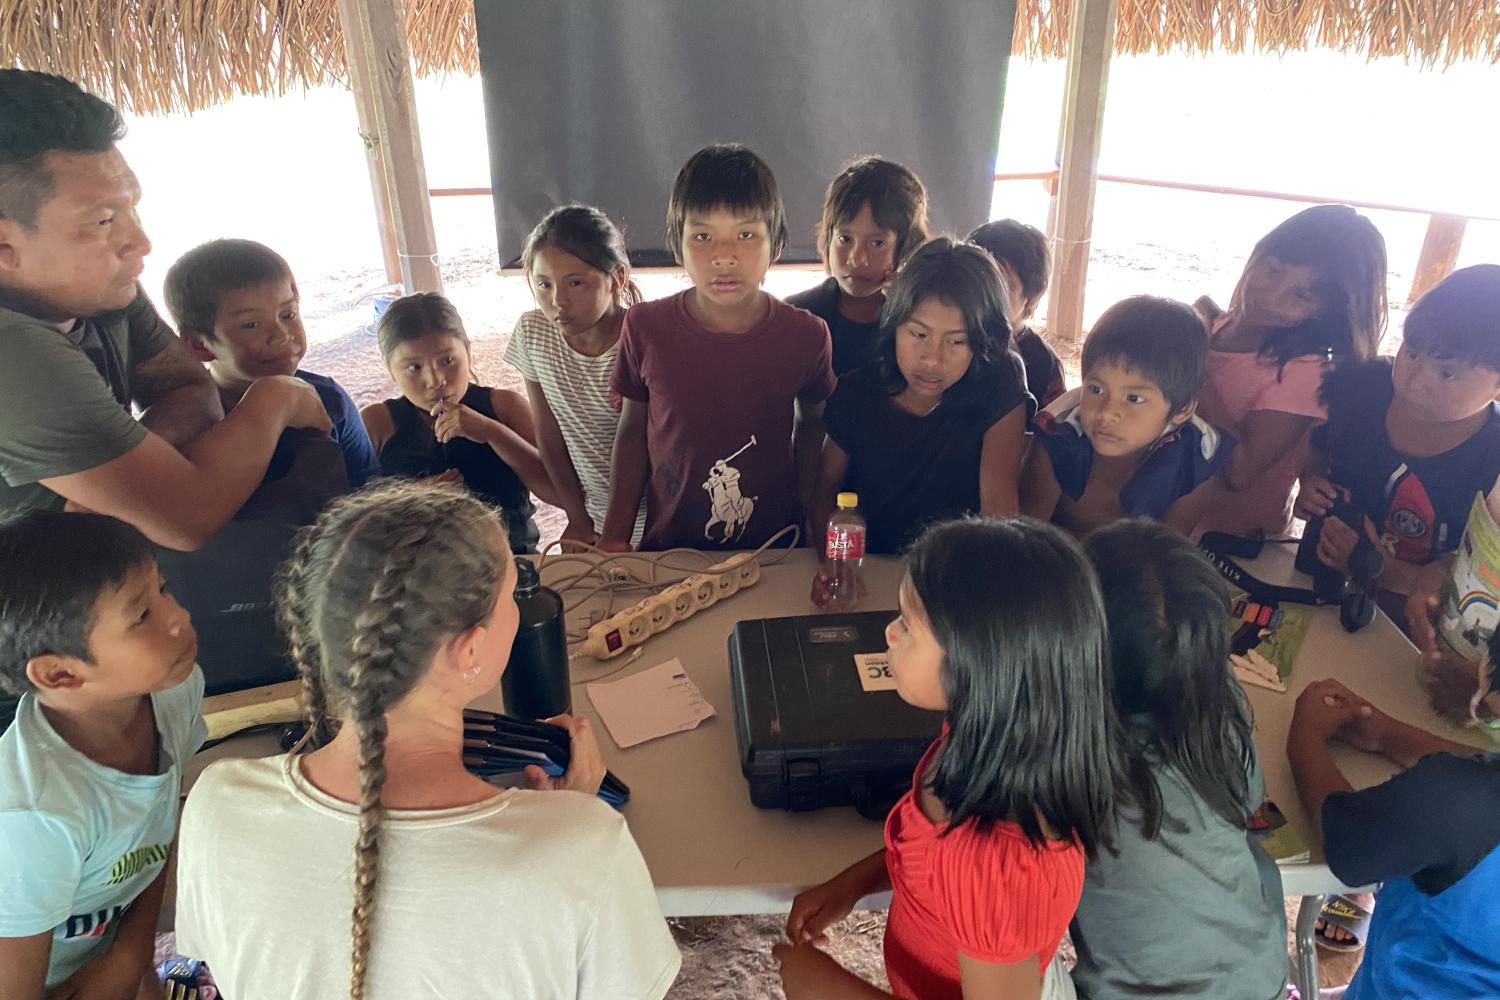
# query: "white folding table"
[[711, 852]]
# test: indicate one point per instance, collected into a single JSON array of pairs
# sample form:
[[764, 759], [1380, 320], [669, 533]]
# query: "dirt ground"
[[731, 956]]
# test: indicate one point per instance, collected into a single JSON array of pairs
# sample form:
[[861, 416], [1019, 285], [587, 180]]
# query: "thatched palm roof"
[[153, 56]]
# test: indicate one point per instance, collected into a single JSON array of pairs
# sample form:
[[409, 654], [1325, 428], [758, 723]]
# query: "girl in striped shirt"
[[576, 264]]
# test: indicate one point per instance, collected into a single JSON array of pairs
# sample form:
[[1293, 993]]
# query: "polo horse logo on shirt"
[[727, 505]]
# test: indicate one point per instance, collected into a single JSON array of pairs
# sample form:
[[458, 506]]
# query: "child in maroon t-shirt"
[[722, 385]]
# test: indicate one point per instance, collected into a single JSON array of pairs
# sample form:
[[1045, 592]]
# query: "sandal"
[[1344, 913]]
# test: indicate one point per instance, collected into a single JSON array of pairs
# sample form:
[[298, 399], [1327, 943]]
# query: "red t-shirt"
[[992, 896], [719, 419]]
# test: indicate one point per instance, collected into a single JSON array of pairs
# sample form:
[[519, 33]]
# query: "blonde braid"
[[373, 688], [291, 610], [371, 730], [371, 592]]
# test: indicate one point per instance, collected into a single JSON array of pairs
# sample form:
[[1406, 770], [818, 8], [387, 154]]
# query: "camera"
[[1355, 593]]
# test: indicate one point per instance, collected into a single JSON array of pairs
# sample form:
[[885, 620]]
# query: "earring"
[[470, 676]]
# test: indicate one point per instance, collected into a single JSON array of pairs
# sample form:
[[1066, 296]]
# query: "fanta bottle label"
[[845, 542]]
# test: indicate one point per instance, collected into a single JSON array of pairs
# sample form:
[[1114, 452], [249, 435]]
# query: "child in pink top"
[[1312, 292], [984, 857]]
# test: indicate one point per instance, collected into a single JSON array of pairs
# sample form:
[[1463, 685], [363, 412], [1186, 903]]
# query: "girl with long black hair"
[[984, 857]]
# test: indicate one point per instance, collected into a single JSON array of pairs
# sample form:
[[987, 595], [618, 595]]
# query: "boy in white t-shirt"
[[91, 768]]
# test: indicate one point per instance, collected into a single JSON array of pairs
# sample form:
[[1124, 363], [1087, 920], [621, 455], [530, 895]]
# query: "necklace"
[[925, 413]]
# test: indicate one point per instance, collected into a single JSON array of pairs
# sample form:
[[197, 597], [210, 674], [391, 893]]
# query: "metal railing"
[[1440, 246]]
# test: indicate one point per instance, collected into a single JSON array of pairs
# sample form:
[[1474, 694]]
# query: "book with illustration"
[[1471, 598]]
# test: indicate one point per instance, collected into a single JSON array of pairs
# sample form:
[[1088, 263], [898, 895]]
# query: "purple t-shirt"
[[719, 423]]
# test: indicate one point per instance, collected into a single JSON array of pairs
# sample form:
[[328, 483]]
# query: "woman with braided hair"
[[398, 608]]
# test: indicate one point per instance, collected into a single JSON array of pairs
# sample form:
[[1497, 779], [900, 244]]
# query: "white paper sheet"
[[652, 703]]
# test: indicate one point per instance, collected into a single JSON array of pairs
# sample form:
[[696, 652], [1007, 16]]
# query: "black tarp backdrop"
[[602, 102]]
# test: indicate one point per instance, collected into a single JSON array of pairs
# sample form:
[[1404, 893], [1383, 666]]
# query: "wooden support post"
[[1051, 230], [1091, 40], [381, 27], [1445, 237], [360, 72]]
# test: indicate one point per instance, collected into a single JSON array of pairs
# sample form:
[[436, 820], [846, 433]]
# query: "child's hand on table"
[[1331, 710], [1367, 729]]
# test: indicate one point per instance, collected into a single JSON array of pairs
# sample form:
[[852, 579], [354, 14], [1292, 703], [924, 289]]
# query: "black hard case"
[[809, 735]]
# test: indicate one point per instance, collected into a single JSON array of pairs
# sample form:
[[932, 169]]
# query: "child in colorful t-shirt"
[[1312, 294], [1410, 441], [1128, 442], [723, 384], [91, 768]]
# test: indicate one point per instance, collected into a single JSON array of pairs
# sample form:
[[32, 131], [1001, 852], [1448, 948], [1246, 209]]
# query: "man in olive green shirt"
[[80, 344]]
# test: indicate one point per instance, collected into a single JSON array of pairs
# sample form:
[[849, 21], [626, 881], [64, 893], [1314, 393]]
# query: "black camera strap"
[[1220, 548]]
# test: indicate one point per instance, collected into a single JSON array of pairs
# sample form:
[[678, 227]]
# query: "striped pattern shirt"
[[576, 388]]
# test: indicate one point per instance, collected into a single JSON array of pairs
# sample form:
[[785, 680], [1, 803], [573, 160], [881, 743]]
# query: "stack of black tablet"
[[498, 744]]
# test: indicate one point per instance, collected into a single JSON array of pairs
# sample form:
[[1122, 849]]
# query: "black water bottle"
[[536, 683]]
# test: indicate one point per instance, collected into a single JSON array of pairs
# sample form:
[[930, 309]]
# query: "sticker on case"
[[875, 671]]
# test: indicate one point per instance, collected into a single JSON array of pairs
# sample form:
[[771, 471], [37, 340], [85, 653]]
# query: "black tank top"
[[413, 450]]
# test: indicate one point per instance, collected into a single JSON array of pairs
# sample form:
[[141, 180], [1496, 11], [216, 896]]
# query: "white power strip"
[[679, 602]]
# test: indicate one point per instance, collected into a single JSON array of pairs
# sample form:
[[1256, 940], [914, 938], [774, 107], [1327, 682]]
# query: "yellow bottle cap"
[[847, 500]]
